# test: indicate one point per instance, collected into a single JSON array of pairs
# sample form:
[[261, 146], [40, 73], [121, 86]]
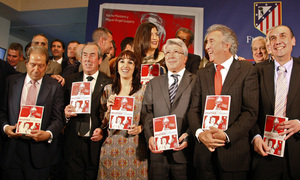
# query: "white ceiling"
[[65, 24]]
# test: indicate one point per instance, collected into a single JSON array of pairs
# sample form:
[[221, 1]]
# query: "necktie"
[[32, 94], [173, 87], [89, 78], [281, 92], [218, 80], [84, 126]]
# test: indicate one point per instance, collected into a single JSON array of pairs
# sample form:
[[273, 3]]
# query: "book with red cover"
[[148, 72], [165, 132], [81, 97], [121, 113], [216, 112], [30, 118], [275, 142]]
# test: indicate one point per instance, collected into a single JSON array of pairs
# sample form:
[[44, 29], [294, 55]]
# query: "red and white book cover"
[[216, 112], [121, 113], [165, 132], [81, 97], [148, 72], [30, 118], [275, 141]]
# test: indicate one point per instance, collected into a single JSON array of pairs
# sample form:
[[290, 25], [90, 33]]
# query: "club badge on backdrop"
[[267, 15]]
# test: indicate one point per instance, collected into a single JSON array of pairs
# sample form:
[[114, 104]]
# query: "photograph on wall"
[[30, 118], [165, 132], [81, 97], [168, 20], [121, 113], [216, 112]]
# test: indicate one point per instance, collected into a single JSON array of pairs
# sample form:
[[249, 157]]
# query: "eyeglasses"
[[176, 53]]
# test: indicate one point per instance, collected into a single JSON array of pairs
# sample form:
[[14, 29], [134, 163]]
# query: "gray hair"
[[228, 34], [95, 44], [258, 38], [38, 49], [178, 42]]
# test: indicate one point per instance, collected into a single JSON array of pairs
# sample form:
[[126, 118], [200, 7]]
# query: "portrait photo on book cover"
[[275, 145], [219, 122], [123, 104], [272, 124], [80, 88], [165, 123], [166, 142], [217, 103], [120, 122]]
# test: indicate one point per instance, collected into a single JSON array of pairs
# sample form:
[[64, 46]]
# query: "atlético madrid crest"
[[267, 15]]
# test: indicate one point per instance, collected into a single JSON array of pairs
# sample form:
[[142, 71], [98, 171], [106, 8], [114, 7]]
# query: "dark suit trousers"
[[272, 167], [80, 166], [212, 170], [23, 167], [167, 169]]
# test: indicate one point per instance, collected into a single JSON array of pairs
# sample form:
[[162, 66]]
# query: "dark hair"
[[74, 41], [27, 47], [142, 41], [17, 47], [38, 49], [100, 32], [125, 41], [61, 42], [136, 84], [188, 31]]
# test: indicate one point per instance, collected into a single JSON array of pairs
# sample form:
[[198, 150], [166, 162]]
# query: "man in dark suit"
[[193, 61], [82, 133], [30, 156], [224, 154], [171, 164], [267, 166]]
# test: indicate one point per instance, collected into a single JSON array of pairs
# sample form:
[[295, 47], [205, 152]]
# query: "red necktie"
[[31, 95], [218, 80]]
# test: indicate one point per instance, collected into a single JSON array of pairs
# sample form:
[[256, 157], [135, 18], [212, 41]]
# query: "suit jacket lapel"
[[185, 81], [232, 74], [98, 87], [268, 75], [17, 89], [294, 83], [44, 91], [210, 77], [164, 87]]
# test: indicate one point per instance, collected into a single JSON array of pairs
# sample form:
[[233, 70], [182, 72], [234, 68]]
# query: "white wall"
[[4, 32]]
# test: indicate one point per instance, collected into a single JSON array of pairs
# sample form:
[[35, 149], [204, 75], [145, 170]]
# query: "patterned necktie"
[[218, 80], [32, 93], [281, 93], [173, 87]]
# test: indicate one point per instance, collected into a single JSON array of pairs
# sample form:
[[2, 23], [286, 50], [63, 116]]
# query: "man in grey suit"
[[281, 40], [224, 154], [171, 164]]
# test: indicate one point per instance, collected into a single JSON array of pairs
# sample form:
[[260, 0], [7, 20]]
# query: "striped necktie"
[[281, 93], [173, 87]]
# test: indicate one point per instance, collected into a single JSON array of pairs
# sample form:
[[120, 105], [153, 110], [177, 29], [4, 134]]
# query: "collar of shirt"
[[288, 66], [226, 64], [171, 79], [59, 61], [28, 79]]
